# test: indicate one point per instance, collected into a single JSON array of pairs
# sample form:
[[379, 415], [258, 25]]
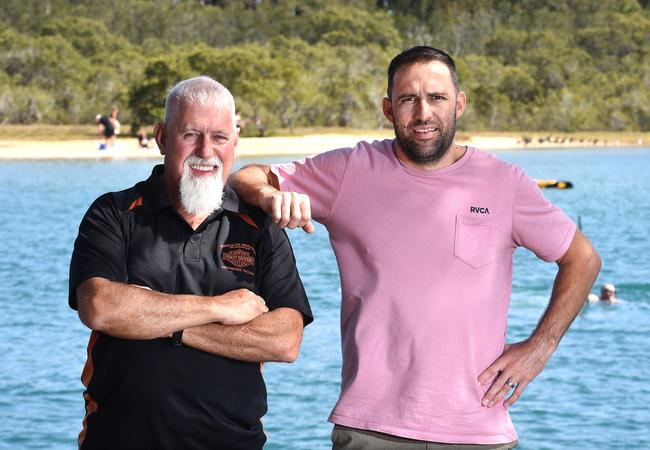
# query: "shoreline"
[[127, 148]]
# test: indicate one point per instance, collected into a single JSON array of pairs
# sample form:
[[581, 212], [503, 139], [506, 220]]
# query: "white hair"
[[201, 195], [201, 90]]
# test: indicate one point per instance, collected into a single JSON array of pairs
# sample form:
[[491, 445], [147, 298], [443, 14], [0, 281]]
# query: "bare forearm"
[[251, 180], [521, 362], [275, 336], [257, 185], [131, 312], [577, 272]]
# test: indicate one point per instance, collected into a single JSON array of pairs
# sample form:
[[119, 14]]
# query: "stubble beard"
[[428, 152], [201, 195]]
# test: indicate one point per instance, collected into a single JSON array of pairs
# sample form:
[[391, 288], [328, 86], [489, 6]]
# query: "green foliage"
[[147, 93], [345, 25], [567, 65]]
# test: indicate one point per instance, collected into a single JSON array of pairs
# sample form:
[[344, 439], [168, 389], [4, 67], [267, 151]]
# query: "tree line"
[[564, 65]]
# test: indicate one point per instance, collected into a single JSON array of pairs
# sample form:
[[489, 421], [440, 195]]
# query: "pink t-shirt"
[[425, 259]]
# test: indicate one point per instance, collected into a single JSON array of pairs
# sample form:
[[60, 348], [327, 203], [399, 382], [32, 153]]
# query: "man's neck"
[[453, 154], [192, 220]]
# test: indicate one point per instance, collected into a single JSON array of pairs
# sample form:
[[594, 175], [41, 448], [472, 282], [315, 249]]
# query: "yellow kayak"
[[544, 184]]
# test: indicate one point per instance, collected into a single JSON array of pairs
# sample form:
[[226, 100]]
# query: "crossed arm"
[[237, 324]]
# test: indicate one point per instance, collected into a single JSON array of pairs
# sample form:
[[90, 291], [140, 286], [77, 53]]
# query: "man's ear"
[[461, 102], [236, 142], [387, 108], [159, 133]]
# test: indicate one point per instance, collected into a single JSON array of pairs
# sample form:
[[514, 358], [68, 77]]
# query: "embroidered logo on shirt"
[[478, 210], [238, 258]]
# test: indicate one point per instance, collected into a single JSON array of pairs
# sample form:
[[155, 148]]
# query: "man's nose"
[[423, 110], [205, 149]]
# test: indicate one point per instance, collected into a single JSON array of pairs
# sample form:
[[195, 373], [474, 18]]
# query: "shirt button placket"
[[193, 247]]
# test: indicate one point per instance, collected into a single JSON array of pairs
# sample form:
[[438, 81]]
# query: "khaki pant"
[[345, 438]]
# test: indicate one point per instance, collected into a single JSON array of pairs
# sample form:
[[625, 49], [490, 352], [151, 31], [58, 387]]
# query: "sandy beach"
[[127, 147]]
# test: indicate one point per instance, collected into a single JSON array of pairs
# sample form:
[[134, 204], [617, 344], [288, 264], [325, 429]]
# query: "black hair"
[[421, 53]]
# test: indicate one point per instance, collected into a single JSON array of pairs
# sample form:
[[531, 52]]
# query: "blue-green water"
[[593, 394]]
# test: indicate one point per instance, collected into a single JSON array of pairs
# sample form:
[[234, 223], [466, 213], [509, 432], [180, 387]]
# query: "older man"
[[424, 231], [186, 290]]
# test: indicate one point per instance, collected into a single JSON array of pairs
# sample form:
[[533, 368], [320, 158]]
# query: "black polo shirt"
[[148, 394]]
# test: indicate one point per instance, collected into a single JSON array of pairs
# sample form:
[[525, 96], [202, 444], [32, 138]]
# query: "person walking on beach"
[[114, 120], [143, 139], [187, 290], [106, 131], [424, 232]]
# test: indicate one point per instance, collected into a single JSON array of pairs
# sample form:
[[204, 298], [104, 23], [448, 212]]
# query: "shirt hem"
[[446, 438]]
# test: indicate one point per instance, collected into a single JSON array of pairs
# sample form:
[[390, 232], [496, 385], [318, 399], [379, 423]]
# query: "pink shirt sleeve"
[[537, 224], [320, 177]]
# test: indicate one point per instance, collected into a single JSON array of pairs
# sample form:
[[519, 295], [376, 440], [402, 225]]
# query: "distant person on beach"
[[116, 123], [106, 131], [424, 233], [143, 139], [187, 290]]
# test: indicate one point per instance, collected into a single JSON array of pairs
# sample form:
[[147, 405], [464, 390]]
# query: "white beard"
[[200, 196]]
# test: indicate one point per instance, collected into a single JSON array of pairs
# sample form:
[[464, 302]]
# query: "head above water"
[[200, 90], [421, 54], [608, 292]]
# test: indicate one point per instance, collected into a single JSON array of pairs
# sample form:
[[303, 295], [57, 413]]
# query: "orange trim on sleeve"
[[246, 218], [86, 376], [137, 202]]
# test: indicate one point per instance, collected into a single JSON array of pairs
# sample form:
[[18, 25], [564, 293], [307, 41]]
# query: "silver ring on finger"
[[511, 384]]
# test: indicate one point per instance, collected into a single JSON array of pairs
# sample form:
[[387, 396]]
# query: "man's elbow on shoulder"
[[250, 172]]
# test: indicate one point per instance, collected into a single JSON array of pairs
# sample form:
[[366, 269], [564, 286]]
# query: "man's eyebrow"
[[438, 94], [406, 95], [190, 128]]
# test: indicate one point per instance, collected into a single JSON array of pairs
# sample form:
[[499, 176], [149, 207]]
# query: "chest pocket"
[[475, 240]]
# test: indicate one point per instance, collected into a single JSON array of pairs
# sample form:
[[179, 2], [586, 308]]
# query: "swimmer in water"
[[608, 293]]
